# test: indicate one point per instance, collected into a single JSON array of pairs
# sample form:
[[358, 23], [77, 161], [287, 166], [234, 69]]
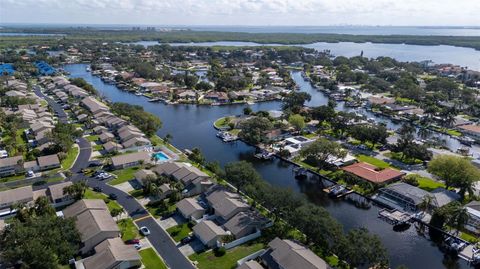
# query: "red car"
[[132, 241]]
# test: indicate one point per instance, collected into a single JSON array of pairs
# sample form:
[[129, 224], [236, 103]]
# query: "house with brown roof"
[[373, 174], [93, 222], [287, 254], [245, 223], [57, 194], [184, 172], [130, 159], [22, 195], [136, 142], [48, 162], [470, 129], [209, 233], [143, 174], [112, 147], [250, 265], [11, 166], [93, 105], [111, 254], [190, 208], [106, 137], [226, 204]]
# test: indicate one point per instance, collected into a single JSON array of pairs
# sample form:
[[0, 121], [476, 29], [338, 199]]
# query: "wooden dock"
[[394, 217]]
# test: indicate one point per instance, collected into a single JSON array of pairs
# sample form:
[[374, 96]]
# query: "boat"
[[337, 191], [155, 100], [138, 94], [264, 155], [88, 69], [300, 172], [226, 136]]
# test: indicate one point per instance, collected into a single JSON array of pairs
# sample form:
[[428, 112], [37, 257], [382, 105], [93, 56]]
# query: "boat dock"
[[395, 217]]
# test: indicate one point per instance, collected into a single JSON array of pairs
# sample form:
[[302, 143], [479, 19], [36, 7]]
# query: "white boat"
[[88, 69]]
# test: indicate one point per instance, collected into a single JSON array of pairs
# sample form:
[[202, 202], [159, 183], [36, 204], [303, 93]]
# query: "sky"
[[244, 12]]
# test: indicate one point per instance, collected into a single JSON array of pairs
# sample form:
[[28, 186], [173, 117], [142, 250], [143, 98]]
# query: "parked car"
[[30, 173], [138, 246], [187, 239], [95, 163], [98, 172], [132, 241], [97, 189], [112, 196], [144, 231]]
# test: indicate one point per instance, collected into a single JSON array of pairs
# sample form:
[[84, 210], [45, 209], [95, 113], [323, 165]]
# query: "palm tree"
[[458, 217], [426, 203]]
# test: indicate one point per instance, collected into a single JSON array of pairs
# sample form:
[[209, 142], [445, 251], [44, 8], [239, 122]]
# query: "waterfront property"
[[373, 174], [130, 159], [406, 197], [473, 224]]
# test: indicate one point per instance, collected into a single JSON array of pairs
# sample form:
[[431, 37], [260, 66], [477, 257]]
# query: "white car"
[[144, 231], [138, 246], [30, 173]]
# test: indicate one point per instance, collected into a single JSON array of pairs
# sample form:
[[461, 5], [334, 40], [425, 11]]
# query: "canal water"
[[191, 126]]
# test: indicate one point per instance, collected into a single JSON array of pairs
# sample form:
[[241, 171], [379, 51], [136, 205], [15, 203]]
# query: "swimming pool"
[[160, 156]]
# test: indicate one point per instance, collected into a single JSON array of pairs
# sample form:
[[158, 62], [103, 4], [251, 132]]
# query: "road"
[[83, 155], [62, 116]]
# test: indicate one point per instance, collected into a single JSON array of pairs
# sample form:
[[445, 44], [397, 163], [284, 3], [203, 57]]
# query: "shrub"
[[219, 252], [411, 179]]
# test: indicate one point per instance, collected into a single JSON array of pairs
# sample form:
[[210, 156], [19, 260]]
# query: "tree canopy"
[[145, 121], [321, 150]]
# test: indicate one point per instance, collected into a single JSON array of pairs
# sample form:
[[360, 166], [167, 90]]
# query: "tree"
[[453, 215], [240, 174], [253, 130], [318, 152], [297, 122], [76, 190], [167, 138], [373, 133], [456, 171], [247, 111], [197, 156], [294, 101], [322, 113], [145, 121], [361, 249]]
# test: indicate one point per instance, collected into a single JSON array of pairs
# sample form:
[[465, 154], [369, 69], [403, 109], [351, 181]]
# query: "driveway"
[[174, 220], [193, 247], [125, 187]]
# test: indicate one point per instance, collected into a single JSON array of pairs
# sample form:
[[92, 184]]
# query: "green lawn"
[[373, 161], [12, 178], [151, 260], [90, 194], [71, 156], [180, 231], [398, 156], [428, 184], [128, 229], [222, 122], [469, 237], [208, 260], [454, 132], [158, 211], [92, 138], [97, 147], [123, 175]]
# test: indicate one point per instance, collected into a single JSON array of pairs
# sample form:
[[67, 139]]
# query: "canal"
[[191, 126]]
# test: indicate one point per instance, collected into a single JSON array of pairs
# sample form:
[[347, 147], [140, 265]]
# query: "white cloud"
[[252, 12]]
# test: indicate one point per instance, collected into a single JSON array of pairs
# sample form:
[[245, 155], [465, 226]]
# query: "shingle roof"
[[56, 190], [208, 230], [83, 205], [93, 222], [290, 255], [250, 265], [12, 161], [225, 202], [249, 220], [188, 206], [109, 253], [14, 195], [130, 158], [48, 160]]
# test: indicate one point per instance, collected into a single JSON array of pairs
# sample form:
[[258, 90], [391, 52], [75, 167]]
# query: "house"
[[197, 186], [106, 137], [112, 147], [11, 166], [129, 134], [143, 174], [209, 233], [136, 142], [48, 162], [93, 105], [406, 197], [112, 254], [373, 174], [250, 265], [190, 208], [470, 129], [380, 100], [94, 225], [296, 143], [184, 172], [57, 195], [245, 223], [226, 204], [287, 254], [473, 224], [22, 195], [100, 129], [131, 159], [83, 205]]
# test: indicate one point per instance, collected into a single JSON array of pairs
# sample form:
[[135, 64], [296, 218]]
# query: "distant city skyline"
[[243, 12]]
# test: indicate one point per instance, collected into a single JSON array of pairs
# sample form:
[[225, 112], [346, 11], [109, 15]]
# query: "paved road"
[[162, 242], [83, 155], [62, 116]]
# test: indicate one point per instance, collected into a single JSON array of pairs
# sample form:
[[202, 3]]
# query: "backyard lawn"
[[158, 211], [123, 175], [98, 147], [180, 231], [151, 260], [92, 138], [71, 156], [222, 122], [90, 194], [373, 161], [128, 229], [207, 260], [428, 184]]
